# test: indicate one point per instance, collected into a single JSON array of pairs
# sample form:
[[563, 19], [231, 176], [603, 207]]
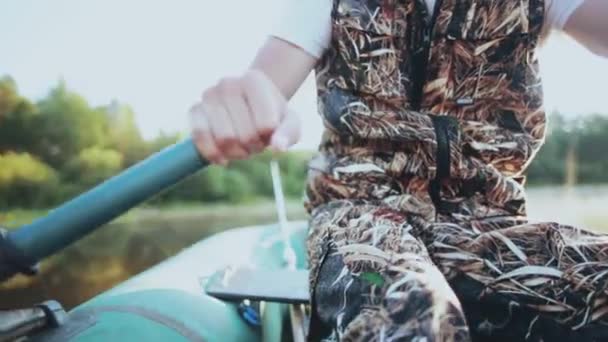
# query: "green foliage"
[[237, 186], [60, 146], [163, 140], [124, 135], [294, 167], [17, 118], [9, 96], [591, 148], [374, 278], [66, 125], [587, 137], [26, 181], [549, 165], [210, 185], [93, 165], [242, 181]]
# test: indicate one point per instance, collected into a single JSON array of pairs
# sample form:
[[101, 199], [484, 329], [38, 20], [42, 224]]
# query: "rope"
[[296, 312]]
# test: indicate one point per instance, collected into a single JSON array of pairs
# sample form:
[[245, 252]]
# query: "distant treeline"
[[56, 148], [59, 146], [575, 151]]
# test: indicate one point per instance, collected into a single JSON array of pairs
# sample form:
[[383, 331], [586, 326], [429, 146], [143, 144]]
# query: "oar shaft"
[[80, 216]]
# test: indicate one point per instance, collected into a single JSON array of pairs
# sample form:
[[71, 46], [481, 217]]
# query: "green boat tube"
[[167, 302]]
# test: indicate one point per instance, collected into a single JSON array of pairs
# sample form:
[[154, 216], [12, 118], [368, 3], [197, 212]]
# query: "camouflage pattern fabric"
[[418, 226]]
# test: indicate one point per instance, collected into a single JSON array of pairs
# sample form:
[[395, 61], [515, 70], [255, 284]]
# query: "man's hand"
[[242, 116]]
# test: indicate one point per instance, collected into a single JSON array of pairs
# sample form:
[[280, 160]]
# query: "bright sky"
[[158, 56]]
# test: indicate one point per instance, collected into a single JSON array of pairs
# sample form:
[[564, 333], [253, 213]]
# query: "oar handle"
[[80, 216]]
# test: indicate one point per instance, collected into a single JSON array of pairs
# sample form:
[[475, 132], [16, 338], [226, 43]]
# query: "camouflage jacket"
[[455, 95]]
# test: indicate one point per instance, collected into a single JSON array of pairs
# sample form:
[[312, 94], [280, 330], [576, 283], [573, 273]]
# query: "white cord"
[[296, 312], [289, 254]]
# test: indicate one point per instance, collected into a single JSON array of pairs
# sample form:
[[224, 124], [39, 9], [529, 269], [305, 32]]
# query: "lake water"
[[585, 206], [145, 237]]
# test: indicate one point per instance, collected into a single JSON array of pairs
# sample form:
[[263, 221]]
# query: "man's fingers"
[[220, 124], [262, 100], [287, 134], [202, 136], [241, 116]]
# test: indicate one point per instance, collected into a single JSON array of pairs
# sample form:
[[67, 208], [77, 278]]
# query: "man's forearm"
[[589, 26], [285, 64]]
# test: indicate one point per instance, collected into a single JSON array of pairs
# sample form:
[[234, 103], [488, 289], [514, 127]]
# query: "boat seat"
[[279, 286]]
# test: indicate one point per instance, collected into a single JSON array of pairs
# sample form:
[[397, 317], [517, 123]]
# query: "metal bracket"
[[278, 286], [20, 323], [54, 312]]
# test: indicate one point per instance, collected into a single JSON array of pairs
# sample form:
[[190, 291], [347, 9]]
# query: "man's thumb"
[[287, 134]]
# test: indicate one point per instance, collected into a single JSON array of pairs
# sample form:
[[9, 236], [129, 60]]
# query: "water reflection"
[[146, 237]]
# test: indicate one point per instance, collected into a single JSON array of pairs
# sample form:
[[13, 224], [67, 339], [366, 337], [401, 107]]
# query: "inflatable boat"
[[234, 286]]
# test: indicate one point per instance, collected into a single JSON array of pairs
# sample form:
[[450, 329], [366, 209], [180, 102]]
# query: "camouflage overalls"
[[418, 223]]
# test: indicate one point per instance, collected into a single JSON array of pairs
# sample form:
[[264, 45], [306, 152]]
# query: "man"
[[433, 110]]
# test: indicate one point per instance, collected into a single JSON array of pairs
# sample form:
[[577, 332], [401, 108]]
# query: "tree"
[[592, 143], [26, 182], [9, 96], [580, 142], [162, 141], [93, 165], [66, 125], [548, 167], [17, 116], [124, 135]]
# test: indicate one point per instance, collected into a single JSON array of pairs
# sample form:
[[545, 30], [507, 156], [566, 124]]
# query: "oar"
[[22, 248]]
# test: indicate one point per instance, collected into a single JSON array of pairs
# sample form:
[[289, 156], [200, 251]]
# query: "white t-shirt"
[[295, 24]]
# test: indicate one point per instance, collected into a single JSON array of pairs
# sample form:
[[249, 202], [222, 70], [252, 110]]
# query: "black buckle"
[[13, 260], [445, 127]]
